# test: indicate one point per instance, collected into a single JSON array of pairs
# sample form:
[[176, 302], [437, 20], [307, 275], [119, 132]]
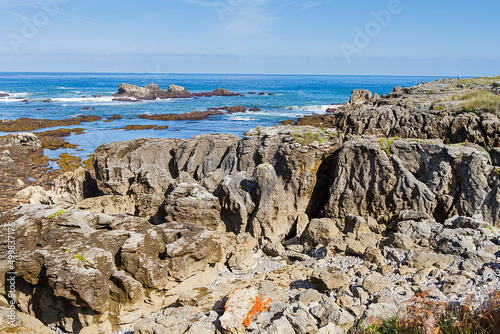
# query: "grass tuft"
[[423, 315], [307, 138], [477, 101]]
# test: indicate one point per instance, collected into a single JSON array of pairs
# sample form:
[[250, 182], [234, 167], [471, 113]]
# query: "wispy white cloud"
[[309, 4], [248, 18]]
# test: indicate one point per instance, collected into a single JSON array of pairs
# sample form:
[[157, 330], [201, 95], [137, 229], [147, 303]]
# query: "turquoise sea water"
[[70, 92]]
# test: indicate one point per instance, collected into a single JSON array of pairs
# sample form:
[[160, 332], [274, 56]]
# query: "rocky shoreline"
[[313, 227]]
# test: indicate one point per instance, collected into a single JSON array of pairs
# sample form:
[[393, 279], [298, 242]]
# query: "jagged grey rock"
[[193, 203]]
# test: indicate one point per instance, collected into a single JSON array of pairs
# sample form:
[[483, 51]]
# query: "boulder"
[[279, 326], [320, 232], [377, 313], [359, 96], [330, 279], [23, 323], [301, 320], [401, 241], [241, 307], [241, 260], [194, 204], [69, 189], [376, 282], [356, 225], [180, 320]]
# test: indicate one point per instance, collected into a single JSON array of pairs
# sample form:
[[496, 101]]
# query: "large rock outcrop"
[[151, 92], [86, 272], [264, 181], [380, 178], [267, 181], [154, 92], [424, 111]]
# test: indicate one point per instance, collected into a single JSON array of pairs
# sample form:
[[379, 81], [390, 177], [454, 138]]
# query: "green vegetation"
[[411, 103], [307, 138], [79, 257], [57, 213], [479, 80], [423, 315], [477, 101], [489, 228], [438, 107], [387, 146], [381, 143]]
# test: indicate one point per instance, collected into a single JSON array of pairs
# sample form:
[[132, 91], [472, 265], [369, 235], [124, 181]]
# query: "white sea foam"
[[13, 97], [239, 118], [83, 99], [313, 108], [164, 100]]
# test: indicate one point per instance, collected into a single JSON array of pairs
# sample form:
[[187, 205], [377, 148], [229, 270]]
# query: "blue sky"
[[391, 37]]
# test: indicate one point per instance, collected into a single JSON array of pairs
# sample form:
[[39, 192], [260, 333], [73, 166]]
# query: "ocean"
[[69, 93]]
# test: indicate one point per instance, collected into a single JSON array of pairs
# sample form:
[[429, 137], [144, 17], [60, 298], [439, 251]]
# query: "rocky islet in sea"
[[133, 93], [308, 227]]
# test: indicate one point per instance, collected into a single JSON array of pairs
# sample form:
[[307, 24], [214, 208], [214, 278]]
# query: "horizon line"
[[211, 73]]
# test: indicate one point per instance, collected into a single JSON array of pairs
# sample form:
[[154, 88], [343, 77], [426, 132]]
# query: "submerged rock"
[[187, 116], [217, 92]]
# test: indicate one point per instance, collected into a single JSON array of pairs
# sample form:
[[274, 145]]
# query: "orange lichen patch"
[[258, 305]]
